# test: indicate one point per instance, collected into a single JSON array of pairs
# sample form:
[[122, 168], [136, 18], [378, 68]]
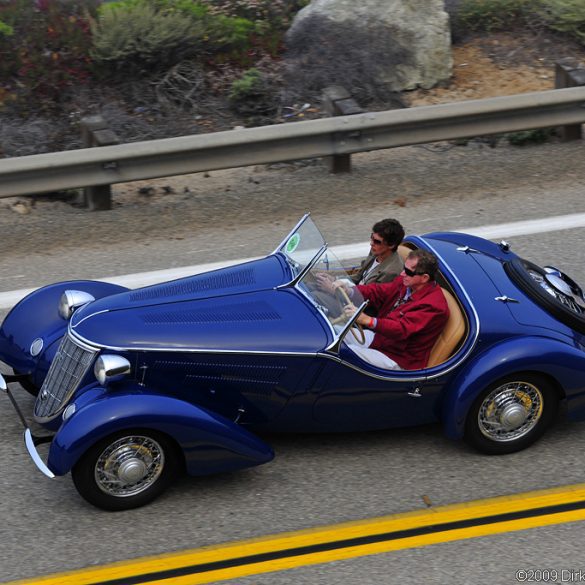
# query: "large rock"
[[404, 44]]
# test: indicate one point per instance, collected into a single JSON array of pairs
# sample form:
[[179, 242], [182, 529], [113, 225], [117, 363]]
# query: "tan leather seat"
[[404, 251], [451, 335]]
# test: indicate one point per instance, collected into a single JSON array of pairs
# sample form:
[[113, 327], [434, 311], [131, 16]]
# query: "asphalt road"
[[314, 480]]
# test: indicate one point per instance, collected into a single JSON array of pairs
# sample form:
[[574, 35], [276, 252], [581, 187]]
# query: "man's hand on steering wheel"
[[362, 319], [348, 310]]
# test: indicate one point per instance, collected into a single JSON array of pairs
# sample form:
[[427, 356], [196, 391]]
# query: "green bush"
[[491, 15], [566, 16], [162, 32], [6, 30], [137, 33], [254, 94], [229, 34], [278, 14], [271, 19], [246, 86]]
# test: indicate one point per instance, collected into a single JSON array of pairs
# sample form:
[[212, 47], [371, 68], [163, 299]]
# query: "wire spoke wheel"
[[510, 411], [511, 414], [129, 466], [127, 469]]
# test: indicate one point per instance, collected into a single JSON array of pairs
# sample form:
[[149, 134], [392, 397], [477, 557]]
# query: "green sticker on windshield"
[[293, 243]]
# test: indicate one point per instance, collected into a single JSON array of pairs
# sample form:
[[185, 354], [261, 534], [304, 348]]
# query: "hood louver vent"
[[196, 285], [261, 380], [237, 313]]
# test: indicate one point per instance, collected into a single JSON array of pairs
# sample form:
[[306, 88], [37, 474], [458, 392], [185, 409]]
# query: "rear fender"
[[36, 315], [209, 442], [561, 363]]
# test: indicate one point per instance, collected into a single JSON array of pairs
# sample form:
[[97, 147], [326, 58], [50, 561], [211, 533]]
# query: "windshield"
[[302, 245], [306, 250]]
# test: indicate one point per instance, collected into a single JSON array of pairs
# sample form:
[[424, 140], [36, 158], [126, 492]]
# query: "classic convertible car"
[[133, 386]]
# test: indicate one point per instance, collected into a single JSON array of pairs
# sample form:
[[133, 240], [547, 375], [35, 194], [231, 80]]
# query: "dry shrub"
[[182, 86]]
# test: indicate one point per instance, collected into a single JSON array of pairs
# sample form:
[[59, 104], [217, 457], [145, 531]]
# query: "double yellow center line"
[[337, 542]]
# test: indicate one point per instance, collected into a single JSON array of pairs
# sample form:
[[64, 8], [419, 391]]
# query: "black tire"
[[524, 405], [28, 384], [144, 460]]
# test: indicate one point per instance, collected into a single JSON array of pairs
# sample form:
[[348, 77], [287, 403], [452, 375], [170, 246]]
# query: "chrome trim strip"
[[77, 337], [291, 233], [87, 317], [391, 377], [336, 343], [83, 343], [34, 454]]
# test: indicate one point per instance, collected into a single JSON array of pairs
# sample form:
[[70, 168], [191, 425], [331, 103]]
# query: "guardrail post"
[[569, 73], [338, 102], [96, 132]]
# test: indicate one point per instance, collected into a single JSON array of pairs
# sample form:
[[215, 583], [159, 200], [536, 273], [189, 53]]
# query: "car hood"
[[233, 309]]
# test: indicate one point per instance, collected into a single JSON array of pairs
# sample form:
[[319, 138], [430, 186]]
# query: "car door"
[[351, 396]]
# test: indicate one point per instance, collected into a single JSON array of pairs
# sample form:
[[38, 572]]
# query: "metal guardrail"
[[284, 142]]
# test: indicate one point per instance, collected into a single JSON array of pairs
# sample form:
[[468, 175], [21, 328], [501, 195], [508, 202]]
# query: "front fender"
[[36, 315], [210, 443], [562, 363]]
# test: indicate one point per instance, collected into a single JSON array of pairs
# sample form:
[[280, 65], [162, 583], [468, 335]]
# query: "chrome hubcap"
[[510, 411], [129, 466]]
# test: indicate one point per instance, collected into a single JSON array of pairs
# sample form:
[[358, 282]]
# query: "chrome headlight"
[[69, 412], [71, 300], [111, 368]]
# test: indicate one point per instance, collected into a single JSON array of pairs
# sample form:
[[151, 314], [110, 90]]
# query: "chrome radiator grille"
[[68, 369]]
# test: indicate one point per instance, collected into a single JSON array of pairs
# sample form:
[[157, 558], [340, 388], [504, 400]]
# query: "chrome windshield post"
[[335, 345]]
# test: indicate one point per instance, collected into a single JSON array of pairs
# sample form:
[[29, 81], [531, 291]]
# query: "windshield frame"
[[302, 267]]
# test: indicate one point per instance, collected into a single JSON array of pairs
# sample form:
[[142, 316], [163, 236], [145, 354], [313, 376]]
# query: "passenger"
[[412, 312], [383, 263]]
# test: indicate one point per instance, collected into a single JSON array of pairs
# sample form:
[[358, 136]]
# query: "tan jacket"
[[385, 271]]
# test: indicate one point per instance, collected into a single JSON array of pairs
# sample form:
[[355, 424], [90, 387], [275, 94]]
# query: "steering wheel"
[[356, 329]]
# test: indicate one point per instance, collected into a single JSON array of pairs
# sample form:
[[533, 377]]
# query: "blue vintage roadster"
[[132, 386]]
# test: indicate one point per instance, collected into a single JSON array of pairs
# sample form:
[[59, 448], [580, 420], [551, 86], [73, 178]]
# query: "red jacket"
[[406, 333]]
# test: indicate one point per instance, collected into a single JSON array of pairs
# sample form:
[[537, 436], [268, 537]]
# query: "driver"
[[412, 312]]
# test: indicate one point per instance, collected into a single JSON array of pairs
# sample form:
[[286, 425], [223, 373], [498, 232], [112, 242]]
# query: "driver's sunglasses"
[[410, 272], [376, 240]]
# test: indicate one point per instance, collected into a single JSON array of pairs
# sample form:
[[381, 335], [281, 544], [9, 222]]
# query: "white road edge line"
[[503, 230]]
